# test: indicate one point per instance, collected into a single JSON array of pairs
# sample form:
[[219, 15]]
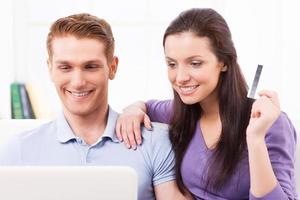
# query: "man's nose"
[[78, 78]]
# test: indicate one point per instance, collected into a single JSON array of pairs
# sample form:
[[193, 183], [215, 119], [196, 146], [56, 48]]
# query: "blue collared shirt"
[[55, 143]]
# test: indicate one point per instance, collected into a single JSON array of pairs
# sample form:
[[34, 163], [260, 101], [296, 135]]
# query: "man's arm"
[[170, 191], [163, 163]]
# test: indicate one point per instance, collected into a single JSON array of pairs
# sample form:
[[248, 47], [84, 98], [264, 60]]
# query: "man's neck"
[[88, 127]]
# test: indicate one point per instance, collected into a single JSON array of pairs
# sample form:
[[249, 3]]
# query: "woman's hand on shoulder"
[[265, 111], [128, 127]]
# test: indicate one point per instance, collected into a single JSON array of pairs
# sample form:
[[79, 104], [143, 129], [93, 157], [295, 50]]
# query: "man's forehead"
[[82, 47], [73, 39]]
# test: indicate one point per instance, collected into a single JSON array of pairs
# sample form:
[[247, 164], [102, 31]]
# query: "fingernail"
[[134, 147], [139, 142]]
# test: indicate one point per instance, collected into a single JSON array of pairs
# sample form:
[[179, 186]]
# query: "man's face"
[[80, 72]]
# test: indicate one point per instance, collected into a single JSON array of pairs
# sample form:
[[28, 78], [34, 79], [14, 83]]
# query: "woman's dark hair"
[[234, 106]]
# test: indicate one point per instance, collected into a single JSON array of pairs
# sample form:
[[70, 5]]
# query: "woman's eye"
[[196, 64]]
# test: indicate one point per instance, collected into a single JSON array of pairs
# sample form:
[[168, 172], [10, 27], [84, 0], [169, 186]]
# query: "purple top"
[[280, 141]]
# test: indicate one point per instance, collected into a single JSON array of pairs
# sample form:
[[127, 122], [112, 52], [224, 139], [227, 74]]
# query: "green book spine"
[[26, 104], [16, 103]]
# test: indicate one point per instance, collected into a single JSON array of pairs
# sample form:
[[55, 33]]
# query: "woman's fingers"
[[130, 134], [137, 132], [129, 131], [118, 131], [271, 95], [125, 136], [147, 122], [128, 126]]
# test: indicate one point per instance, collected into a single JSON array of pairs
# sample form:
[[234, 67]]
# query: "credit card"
[[255, 82]]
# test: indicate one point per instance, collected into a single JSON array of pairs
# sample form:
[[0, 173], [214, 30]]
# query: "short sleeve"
[[162, 155], [281, 143], [159, 111]]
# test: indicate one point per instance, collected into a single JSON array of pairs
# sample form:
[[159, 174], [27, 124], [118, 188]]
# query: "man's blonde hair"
[[82, 26]]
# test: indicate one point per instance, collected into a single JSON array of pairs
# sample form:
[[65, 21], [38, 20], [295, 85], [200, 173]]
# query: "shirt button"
[[78, 140]]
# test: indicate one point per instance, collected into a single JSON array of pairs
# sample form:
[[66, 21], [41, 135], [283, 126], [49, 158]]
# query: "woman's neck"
[[210, 107], [210, 122]]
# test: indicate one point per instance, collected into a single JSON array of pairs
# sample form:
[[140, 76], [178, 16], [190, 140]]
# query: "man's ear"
[[49, 63], [113, 67]]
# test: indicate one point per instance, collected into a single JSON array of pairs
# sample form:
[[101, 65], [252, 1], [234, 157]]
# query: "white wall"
[[6, 57], [264, 32]]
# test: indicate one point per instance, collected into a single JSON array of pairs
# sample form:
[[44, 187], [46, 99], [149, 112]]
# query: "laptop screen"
[[68, 183]]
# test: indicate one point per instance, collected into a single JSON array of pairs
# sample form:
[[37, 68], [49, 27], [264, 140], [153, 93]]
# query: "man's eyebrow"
[[61, 62], [168, 58], [94, 61], [86, 62]]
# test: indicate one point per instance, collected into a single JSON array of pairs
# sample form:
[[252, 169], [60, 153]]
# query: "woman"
[[227, 146]]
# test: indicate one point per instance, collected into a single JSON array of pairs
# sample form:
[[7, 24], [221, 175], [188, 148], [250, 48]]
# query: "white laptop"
[[68, 183]]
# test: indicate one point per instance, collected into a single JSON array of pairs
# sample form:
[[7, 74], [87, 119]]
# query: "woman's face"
[[193, 68]]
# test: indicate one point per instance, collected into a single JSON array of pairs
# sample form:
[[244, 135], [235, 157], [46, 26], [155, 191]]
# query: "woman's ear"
[[224, 68], [113, 67]]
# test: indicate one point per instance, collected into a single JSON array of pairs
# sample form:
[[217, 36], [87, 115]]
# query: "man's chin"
[[80, 112]]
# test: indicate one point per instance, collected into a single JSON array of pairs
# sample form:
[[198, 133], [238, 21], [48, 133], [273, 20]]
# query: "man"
[[81, 62]]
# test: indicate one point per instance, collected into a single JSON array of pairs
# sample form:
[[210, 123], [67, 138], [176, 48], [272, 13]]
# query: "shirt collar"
[[65, 133], [110, 129]]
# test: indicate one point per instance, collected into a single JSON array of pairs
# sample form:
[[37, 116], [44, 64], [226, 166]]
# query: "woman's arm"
[[128, 125], [265, 176]]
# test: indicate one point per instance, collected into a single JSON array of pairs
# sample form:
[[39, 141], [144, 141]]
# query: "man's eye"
[[64, 67], [91, 66], [171, 65]]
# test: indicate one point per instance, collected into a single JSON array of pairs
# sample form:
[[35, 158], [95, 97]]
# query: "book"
[[26, 104], [39, 104], [16, 104]]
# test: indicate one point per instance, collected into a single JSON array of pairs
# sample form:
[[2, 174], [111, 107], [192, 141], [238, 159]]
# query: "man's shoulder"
[[159, 135], [23, 143], [40, 131], [159, 130], [158, 151], [160, 126]]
